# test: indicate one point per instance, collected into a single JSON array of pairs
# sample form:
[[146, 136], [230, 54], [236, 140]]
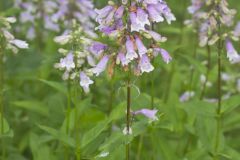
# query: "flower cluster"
[[81, 10], [10, 42], [131, 23], [207, 16], [52, 14], [79, 62], [34, 13]]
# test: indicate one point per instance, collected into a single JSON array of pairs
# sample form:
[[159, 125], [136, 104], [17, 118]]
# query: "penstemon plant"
[[129, 22], [213, 21]]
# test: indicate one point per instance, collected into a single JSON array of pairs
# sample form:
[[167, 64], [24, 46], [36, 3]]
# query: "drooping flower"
[[186, 96], [9, 41], [85, 81], [79, 62], [232, 54], [140, 46], [97, 48], [122, 58], [205, 21], [67, 62], [151, 114], [101, 66], [131, 53], [132, 31], [145, 65], [165, 55]]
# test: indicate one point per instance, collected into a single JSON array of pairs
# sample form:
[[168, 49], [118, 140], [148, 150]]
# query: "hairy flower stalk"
[[130, 22], [213, 21]]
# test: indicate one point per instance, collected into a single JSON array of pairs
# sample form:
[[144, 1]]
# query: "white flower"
[[19, 43], [127, 132], [11, 19], [85, 81], [64, 39]]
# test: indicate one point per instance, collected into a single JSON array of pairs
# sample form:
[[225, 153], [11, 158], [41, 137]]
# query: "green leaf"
[[5, 130], [34, 106], [59, 135], [56, 85], [230, 104], [197, 64], [94, 133]]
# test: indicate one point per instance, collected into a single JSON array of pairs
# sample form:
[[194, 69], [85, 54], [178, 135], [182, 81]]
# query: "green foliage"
[[46, 118]]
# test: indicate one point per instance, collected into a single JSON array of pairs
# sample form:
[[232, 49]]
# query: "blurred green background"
[[37, 102]]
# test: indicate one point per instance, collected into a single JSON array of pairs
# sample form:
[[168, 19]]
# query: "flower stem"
[[207, 74], [76, 124], [1, 88], [2, 96], [128, 116], [219, 93], [111, 100], [67, 116]]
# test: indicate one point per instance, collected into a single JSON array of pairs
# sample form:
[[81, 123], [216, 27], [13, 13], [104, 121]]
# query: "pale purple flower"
[[232, 54], [145, 65], [103, 13], [97, 48], [49, 24], [67, 62], [119, 12], [19, 43], [131, 54], [156, 36], [165, 55], [63, 39], [196, 5], [91, 60], [186, 96], [31, 33], [140, 46], [154, 15], [85, 81], [151, 114], [142, 17], [122, 58], [101, 66], [135, 25], [236, 31]]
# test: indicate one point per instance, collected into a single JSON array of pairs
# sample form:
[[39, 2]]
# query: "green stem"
[[128, 116], [110, 102], [219, 93], [68, 119], [1, 88], [140, 144], [76, 124], [2, 96], [207, 74]]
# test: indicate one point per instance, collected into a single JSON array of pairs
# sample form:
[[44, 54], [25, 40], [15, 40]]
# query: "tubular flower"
[[151, 114], [207, 15], [80, 61], [131, 24], [7, 39]]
